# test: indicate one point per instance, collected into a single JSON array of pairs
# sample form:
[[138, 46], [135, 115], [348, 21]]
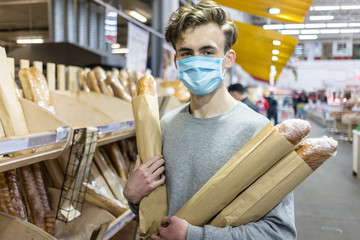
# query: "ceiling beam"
[[22, 2]]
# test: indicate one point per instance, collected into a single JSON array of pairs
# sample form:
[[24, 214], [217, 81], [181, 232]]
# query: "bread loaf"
[[92, 82], [123, 78], [15, 195], [28, 83], [294, 130], [40, 185], [6, 205], [118, 160], [315, 151], [50, 222], [115, 207], [101, 76], [83, 80], [146, 85], [32, 196], [118, 88]]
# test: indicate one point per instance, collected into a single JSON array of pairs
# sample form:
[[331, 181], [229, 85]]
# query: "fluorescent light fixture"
[[354, 24], [319, 18], [274, 58], [115, 45], [311, 8], [112, 14], [276, 43], [120, 51], [29, 41], [294, 26], [137, 16], [274, 11], [312, 31], [273, 26], [308, 37], [335, 25], [275, 52], [290, 32], [350, 30], [329, 31], [350, 7], [315, 25], [326, 8], [110, 22]]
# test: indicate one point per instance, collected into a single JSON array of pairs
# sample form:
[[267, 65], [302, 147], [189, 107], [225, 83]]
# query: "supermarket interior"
[[92, 90]]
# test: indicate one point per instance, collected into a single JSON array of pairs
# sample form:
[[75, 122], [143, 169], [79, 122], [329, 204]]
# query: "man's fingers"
[[151, 160], [156, 165], [158, 172], [165, 221], [159, 182]]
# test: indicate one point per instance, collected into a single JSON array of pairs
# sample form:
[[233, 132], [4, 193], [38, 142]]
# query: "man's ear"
[[230, 59]]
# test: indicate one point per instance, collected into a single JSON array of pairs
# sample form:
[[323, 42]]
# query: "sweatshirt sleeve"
[[278, 224]]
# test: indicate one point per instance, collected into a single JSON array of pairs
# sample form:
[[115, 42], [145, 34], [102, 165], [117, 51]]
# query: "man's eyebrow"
[[207, 47], [184, 49]]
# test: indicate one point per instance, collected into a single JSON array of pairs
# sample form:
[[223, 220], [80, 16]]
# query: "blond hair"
[[202, 13]]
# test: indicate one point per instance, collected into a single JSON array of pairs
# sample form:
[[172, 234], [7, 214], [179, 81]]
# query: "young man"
[[238, 92], [200, 137]]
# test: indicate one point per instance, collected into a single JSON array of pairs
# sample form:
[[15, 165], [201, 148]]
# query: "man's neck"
[[212, 105]]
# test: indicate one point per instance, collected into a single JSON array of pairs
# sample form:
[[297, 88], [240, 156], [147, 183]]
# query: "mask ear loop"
[[222, 60]]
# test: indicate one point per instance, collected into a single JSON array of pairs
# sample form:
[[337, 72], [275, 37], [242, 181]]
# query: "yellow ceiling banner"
[[262, 53], [284, 10]]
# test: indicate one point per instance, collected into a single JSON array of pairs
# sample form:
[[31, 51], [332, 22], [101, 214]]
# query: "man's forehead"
[[204, 35]]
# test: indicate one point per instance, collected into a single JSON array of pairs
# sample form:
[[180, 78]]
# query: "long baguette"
[[92, 82], [15, 195], [267, 191], [114, 206], [6, 205], [118, 160], [32, 196], [101, 76], [118, 88], [146, 85], [294, 130]]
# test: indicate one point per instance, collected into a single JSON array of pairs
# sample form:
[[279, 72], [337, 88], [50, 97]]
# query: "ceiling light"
[[115, 45], [350, 7], [331, 25], [29, 41], [319, 18], [354, 24], [120, 51], [275, 52], [290, 32], [274, 11], [315, 25], [272, 67], [350, 30], [312, 31], [325, 8], [274, 26], [330, 31], [308, 37], [276, 43], [274, 58], [294, 26], [137, 16]]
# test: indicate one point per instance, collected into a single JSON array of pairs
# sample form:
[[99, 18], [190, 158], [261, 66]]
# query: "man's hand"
[[143, 179], [172, 228]]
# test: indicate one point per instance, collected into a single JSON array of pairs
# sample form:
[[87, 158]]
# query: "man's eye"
[[186, 54], [208, 53]]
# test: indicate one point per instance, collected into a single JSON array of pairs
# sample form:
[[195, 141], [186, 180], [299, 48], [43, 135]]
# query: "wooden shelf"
[[119, 223], [48, 138]]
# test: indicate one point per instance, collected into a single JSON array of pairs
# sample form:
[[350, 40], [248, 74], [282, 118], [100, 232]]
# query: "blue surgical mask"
[[201, 75]]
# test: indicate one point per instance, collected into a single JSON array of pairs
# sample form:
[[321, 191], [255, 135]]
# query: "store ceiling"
[[29, 18]]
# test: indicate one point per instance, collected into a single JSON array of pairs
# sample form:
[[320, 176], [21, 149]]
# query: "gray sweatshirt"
[[194, 149]]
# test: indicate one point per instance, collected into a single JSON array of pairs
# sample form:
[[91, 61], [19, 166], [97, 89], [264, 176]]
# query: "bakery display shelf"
[[119, 223], [112, 116], [14, 228], [48, 137]]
